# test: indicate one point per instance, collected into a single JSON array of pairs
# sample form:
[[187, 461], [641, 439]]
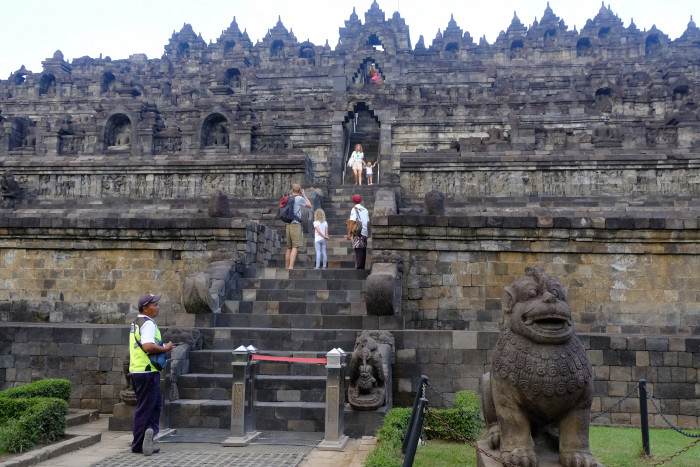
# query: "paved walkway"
[[113, 450]]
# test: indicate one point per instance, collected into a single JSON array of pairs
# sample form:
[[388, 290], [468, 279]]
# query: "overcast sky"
[[31, 30]]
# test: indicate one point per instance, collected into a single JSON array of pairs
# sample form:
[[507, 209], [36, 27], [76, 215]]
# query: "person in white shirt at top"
[[357, 162], [320, 237], [359, 242]]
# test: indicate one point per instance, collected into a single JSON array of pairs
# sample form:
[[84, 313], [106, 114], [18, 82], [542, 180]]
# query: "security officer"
[[145, 347]]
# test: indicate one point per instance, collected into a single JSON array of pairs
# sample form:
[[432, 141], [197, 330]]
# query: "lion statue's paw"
[[521, 457], [494, 437], [577, 459]]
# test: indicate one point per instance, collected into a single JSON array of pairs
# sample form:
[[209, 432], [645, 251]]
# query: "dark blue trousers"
[[149, 403]]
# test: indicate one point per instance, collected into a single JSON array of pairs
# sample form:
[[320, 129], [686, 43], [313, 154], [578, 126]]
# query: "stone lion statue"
[[541, 379]]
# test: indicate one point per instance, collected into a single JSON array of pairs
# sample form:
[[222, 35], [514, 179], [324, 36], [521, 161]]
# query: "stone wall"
[[544, 174], [92, 270], [623, 275], [92, 358], [188, 178], [454, 361]]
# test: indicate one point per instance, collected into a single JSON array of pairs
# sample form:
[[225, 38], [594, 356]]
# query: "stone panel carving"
[[370, 370]]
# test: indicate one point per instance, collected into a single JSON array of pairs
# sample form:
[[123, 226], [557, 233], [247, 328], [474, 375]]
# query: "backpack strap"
[[140, 321]]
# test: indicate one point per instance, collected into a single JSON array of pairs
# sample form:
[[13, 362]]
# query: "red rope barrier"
[[289, 359]]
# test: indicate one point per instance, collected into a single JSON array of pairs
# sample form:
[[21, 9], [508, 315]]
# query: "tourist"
[[145, 345], [359, 242], [320, 237], [293, 231], [357, 162], [368, 168]]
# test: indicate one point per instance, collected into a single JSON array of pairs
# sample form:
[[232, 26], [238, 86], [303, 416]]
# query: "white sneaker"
[[148, 442]]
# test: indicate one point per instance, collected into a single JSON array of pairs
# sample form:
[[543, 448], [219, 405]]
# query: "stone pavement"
[[296, 449]]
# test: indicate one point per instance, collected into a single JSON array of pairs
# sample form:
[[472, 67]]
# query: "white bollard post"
[[241, 401], [334, 438]]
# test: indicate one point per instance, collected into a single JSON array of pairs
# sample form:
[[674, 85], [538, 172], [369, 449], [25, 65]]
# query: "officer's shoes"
[[148, 443]]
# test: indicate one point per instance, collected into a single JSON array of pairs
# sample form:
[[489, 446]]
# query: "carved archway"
[[118, 132], [215, 132], [108, 82], [363, 73], [47, 85]]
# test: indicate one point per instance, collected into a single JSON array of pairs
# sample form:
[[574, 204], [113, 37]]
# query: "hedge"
[[58, 388], [390, 436], [28, 417]]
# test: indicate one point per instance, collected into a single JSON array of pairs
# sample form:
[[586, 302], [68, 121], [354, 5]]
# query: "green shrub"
[[390, 435], [58, 388], [36, 420], [464, 420], [33, 413], [12, 408], [389, 440]]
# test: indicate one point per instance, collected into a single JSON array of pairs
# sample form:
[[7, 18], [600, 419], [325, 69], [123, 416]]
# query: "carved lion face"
[[537, 307]]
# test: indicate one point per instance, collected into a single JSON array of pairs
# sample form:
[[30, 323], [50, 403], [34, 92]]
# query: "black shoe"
[[156, 450]]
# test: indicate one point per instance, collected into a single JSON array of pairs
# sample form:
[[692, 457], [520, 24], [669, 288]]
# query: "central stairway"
[[302, 312]]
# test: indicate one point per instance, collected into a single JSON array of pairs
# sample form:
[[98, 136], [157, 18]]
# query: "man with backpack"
[[357, 228], [293, 230]]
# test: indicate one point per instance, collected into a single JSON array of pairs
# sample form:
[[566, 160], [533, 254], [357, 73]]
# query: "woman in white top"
[[320, 237], [357, 162]]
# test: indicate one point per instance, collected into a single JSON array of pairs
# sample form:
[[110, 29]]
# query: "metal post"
[[419, 394], [334, 439], [241, 435], [415, 433], [165, 394], [644, 414], [253, 369]]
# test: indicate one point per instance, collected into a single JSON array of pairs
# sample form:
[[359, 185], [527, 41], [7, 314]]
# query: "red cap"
[[356, 199]]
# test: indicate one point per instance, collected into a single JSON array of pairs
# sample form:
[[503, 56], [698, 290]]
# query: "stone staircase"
[[302, 312], [367, 134]]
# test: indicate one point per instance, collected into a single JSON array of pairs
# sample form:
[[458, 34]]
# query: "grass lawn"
[[613, 447]]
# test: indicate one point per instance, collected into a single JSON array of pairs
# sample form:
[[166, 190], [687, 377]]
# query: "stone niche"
[[215, 133], [118, 134]]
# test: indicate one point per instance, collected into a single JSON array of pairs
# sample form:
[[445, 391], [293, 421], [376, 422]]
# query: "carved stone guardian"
[[127, 395], [370, 371], [541, 379]]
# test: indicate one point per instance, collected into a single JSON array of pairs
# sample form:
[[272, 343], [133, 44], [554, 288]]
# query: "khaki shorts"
[[293, 235]]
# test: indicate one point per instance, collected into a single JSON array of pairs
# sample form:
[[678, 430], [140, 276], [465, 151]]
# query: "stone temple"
[[574, 150]]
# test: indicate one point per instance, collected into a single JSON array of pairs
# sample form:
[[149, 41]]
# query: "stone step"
[[252, 286], [271, 416], [290, 416], [268, 388], [278, 273], [310, 302], [235, 311], [356, 320], [288, 339], [282, 388], [310, 263], [218, 361]]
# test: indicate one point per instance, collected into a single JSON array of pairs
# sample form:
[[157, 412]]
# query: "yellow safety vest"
[[138, 358]]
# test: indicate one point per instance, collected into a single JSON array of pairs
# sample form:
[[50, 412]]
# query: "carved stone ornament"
[[369, 373], [541, 379], [127, 395]]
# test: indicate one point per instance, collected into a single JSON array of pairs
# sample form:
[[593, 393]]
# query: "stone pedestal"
[[122, 418], [546, 455]]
